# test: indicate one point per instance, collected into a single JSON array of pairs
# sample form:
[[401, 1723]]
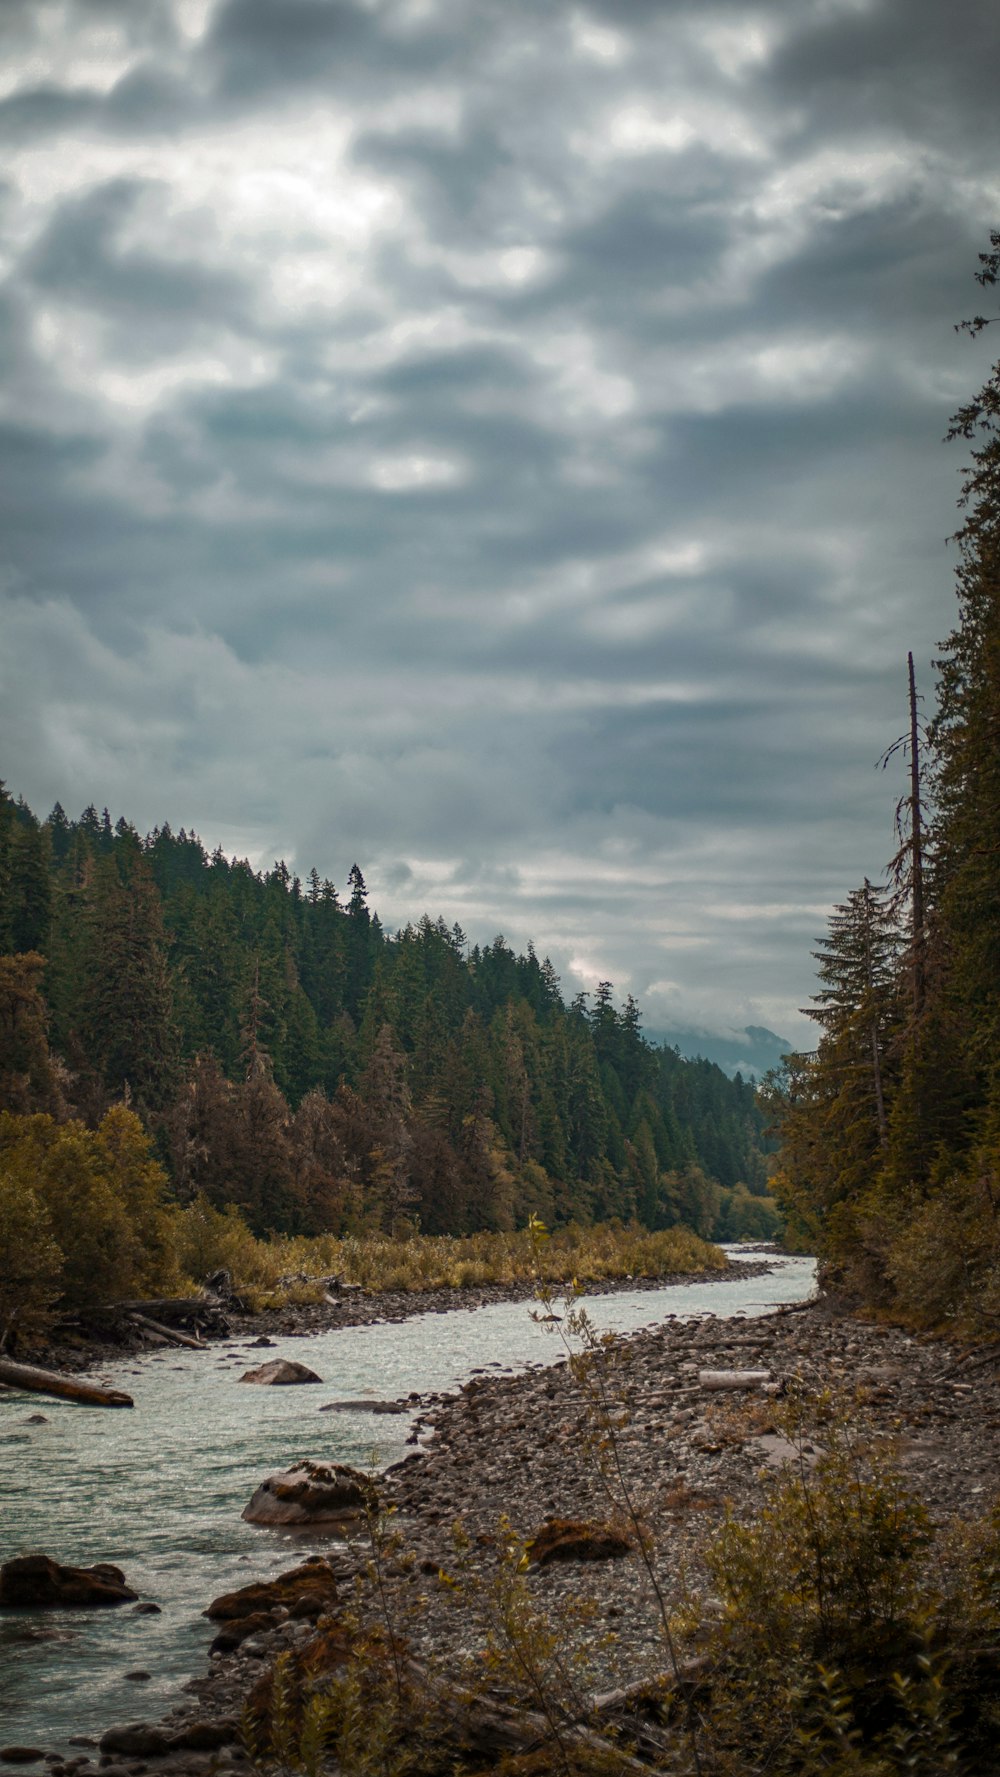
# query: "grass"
[[288, 1269]]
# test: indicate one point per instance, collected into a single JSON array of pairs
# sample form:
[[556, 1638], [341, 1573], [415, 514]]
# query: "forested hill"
[[294, 1059]]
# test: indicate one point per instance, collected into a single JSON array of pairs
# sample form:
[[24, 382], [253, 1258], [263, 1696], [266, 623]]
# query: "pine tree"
[[125, 1020], [832, 1108], [29, 1080], [384, 1090], [856, 1005], [29, 888]]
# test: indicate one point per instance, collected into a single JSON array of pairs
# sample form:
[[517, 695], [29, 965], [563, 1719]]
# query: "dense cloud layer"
[[497, 443]]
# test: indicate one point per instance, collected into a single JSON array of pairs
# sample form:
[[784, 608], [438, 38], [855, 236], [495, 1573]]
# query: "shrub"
[[850, 1637]]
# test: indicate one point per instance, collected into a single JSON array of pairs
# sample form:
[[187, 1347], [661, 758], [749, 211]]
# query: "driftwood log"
[[172, 1308], [171, 1335], [689, 1672], [67, 1388], [719, 1379], [483, 1726]]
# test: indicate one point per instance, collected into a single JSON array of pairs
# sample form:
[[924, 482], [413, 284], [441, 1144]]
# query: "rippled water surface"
[[159, 1490]]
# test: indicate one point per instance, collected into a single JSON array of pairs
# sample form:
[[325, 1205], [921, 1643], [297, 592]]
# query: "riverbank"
[[521, 1447], [88, 1350]]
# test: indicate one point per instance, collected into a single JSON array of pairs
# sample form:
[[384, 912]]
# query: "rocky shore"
[[523, 1448]]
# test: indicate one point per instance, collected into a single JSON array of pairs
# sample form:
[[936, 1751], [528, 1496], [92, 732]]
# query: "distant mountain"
[[751, 1050]]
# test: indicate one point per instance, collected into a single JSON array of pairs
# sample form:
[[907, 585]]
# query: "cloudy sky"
[[498, 441]]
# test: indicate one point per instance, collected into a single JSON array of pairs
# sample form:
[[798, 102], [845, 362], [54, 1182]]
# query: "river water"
[[159, 1490]]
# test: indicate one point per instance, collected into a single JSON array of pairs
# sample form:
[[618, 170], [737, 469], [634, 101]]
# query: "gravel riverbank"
[[521, 1447], [354, 1308]]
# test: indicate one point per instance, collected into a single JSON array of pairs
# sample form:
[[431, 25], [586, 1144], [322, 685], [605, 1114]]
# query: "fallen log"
[[689, 1672], [484, 1726], [971, 1360], [170, 1334], [170, 1308], [719, 1379], [67, 1388]]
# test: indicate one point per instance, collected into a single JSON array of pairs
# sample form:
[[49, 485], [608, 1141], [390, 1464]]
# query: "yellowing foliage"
[[94, 1196]]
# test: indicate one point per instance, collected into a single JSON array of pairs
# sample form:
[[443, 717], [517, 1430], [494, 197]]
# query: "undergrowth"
[[288, 1269]]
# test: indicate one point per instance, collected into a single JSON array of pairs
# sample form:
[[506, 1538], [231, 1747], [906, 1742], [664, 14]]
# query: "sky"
[[496, 443]]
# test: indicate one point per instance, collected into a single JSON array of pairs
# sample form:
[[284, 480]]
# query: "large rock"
[[139, 1740], [143, 1739], [34, 1582], [569, 1539], [312, 1584], [311, 1493], [281, 1373]]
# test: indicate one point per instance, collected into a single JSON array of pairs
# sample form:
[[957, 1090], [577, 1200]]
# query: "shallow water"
[[159, 1490]]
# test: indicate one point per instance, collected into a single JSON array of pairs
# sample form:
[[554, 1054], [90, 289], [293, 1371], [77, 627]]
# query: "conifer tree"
[[29, 1080], [965, 735], [125, 1017], [856, 1005]]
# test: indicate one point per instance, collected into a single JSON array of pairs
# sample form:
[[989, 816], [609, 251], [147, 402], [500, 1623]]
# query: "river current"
[[159, 1490]]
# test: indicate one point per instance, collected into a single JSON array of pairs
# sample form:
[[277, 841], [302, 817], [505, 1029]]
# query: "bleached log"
[[720, 1379], [688, 1672], [67, 1388]]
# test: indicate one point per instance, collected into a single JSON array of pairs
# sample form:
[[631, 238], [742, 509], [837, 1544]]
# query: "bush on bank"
[[209, 1239]]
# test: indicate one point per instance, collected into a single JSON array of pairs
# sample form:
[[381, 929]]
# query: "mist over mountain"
[[751, 1050]]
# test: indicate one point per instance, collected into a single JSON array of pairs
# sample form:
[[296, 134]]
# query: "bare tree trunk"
[[916, 853]]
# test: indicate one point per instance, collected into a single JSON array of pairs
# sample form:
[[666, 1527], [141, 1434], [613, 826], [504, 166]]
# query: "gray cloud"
[[498, 444]]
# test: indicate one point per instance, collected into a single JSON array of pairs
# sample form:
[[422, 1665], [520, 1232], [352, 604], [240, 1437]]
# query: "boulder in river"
[[313, 1582], [35, 1582], [143, 1739], [280, 1373], [568, 1539], [139, 1740], [311, 1493], [366, 1407]]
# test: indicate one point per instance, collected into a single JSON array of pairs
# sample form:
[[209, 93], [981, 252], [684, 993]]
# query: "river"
[[159, 1490]]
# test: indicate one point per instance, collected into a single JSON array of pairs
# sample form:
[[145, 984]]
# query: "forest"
[[260, 1044], [890, 1129]]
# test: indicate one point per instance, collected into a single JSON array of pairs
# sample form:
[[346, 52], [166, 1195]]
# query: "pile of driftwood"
[[161, 1320]]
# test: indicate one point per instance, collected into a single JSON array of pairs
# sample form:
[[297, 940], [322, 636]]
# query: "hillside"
[[294, 1059]]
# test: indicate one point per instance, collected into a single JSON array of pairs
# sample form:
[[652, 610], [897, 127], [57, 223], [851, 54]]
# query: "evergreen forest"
[[890, 1129], [285, 1055]]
